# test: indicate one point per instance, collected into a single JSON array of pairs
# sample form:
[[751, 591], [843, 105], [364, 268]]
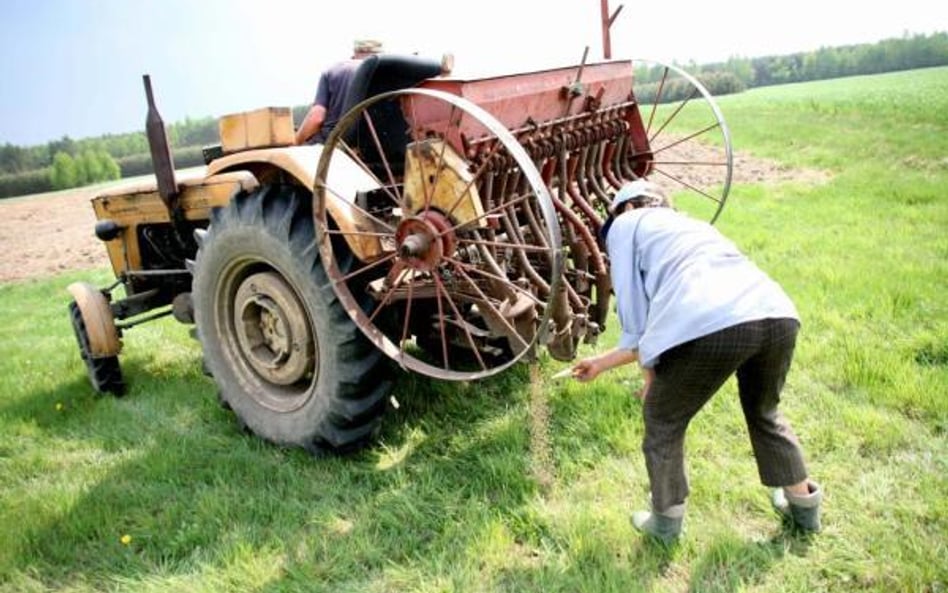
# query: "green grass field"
[[470, 489]]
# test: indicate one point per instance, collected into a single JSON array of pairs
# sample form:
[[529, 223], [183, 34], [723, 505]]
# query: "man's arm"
[[590, 368], [311, 123]]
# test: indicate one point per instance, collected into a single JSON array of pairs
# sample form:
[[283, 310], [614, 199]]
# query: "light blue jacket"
[[677, 279]]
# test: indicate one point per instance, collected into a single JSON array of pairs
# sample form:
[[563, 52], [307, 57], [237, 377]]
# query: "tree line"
[[67, 162], [738, 74]]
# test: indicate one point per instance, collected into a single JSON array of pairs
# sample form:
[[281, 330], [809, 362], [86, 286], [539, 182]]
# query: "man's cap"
[[650, 194], [367, 46], [640, 188]]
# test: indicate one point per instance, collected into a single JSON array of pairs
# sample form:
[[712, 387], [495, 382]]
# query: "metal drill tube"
[[608, 157], [580, 202], [593, 176], [531, 216], [487, 190], [620, 133], [582, 180], [622, 159], [510, 223]]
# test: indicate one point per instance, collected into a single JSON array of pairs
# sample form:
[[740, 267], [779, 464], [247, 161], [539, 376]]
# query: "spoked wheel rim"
[[468, 245], [689, 145], [268, 334]]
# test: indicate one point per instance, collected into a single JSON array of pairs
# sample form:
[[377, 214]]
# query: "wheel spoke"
[[395, 272], [655, 103], [378, 146], [674, 114], [692, 163], [404, 338], [443, 332], [506, 281], [493, 309], [688, 185], [429, 195], [365, 168], [357, 233], [461, 322], [489, 213], [474, 178], [363, 211], [687, 138], [335, 282], [414, 149], [438, 169], [504, 245]]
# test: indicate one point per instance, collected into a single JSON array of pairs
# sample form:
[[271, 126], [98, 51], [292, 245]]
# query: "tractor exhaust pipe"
[[163, 164], [161, 158]]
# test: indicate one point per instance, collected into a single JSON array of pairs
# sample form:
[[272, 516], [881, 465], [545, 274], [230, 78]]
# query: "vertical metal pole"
[[161, 157], [607, 21], [163, 163], [606, 41]]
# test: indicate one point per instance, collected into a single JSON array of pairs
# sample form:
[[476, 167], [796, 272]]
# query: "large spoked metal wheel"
[[288, 361], [689, 146], [459, 239]]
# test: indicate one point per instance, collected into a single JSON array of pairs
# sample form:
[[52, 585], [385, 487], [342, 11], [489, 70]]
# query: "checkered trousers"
[[686, 377]]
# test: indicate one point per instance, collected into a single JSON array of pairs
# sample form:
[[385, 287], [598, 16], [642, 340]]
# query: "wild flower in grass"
[[60, 407], [126, 539]]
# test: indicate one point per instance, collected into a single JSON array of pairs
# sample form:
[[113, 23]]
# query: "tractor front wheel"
[[105, 373], [287, 358]]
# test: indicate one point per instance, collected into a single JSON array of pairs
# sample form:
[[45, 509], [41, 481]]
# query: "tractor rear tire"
[[287, 359]]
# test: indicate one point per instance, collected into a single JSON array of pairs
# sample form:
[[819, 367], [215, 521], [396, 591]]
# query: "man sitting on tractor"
[[331, 94]]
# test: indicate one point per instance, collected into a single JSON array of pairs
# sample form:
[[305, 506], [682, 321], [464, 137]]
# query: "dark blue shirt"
[[331, 93]]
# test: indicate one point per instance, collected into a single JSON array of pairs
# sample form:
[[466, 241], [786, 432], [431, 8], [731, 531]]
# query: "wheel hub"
[[423, 241], [272, 329]]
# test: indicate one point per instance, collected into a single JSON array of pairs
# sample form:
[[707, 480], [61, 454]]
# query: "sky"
[[74, 67]]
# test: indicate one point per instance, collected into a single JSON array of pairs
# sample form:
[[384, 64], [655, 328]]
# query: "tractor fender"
[[98, 318], [345, 177]]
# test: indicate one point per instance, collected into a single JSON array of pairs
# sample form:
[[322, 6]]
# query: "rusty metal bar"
[[607, 22], [161, 157]]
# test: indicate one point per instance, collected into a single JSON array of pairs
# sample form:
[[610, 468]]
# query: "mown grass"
[[456, 496]]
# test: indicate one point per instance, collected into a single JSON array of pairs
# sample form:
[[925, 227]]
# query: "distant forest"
[[739, 74], [66, 162]]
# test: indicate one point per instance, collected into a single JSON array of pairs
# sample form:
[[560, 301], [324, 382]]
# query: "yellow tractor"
[[447, 227]]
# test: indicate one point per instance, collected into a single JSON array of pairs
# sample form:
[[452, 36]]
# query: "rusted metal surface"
[[160, 151], [607, 22], [468, 257], [465, 249], [521, 101], [468, 254], [473, 258], [584, 133], [272, 332]]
